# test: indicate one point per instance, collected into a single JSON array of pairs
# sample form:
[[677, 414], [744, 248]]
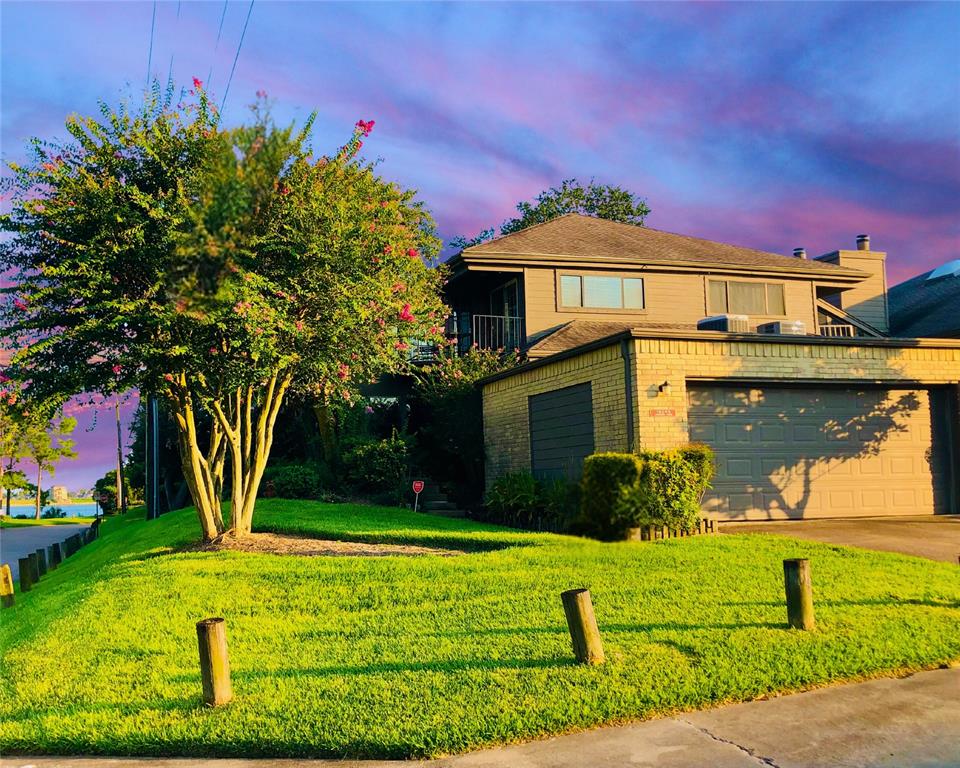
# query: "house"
[[637, 338], [59, 494], [928, 305]]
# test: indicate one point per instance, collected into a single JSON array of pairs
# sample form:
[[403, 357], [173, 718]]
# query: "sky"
[[769, 125]]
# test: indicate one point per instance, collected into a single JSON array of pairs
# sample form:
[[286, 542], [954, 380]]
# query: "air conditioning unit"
[[784, 328], [728, 323]]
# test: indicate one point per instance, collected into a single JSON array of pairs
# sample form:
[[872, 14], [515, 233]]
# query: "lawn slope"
[[400, 657]]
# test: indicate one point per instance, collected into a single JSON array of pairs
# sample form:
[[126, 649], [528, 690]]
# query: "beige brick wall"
[[661, 418]]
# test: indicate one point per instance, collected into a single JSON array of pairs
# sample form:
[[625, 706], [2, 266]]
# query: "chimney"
[[800, 253], [863, 242]]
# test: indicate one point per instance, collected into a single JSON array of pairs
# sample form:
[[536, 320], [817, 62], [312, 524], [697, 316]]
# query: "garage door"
[[785, 452], [561, 431]]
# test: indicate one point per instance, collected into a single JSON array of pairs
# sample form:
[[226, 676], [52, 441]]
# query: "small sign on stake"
[[417, 488]]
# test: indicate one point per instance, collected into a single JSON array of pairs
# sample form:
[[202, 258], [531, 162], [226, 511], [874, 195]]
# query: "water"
[[88, 509]]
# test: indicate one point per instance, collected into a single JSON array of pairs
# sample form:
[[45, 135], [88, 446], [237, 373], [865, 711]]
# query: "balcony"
[[838, 330], [489, 332]]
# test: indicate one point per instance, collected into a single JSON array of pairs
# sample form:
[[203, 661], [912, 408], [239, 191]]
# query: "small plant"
[[522, 501], [378, 467], [293, 481], [53, 513]]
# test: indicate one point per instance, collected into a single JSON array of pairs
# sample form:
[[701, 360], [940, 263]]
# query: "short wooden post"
[[6, 586], [587, 646], [51, 563], [42, 561], [26, 574], [799, 589], [214, 663], [34, 567]]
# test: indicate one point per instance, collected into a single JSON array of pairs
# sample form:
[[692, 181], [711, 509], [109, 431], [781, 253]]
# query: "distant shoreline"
[[30, 503]]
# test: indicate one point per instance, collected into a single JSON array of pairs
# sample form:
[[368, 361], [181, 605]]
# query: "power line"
[[216, 45], [237, 56], [153, 24], [170, 69]]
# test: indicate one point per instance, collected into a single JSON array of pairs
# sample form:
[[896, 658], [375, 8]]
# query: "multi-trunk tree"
[[218, 269]]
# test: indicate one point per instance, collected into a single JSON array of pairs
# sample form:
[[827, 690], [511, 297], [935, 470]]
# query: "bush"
[[294, 481], [521, 501], [53, 513], [378, 468], [663, 488]]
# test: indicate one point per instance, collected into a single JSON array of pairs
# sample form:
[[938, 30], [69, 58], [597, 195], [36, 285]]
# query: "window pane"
[[602, 292], [633, 292], [570, 291], [747, 298], [718, 296], [775, 303]]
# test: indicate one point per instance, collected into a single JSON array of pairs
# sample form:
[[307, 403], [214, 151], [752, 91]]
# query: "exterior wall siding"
[[661, 417], [670, 297]]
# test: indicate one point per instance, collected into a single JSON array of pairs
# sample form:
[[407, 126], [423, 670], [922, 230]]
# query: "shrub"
[[522, 501], [621, 491], [378, 467], [294, 481]]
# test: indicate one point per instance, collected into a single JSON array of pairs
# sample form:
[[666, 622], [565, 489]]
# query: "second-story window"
[[601, 292], [740, 297]]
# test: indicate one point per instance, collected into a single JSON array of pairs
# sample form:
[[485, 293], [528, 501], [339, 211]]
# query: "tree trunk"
[[39, 492], [328, 437]]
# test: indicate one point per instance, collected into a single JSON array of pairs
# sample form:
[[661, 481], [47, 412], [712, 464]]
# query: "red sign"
[[417, 486], [663, 412]]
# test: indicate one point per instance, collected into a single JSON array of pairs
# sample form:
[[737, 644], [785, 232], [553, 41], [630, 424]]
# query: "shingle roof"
[[921, 308], [575, 237], [576, 333]]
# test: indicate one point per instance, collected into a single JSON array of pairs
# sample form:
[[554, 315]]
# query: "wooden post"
[[34, 567], [582, 622], [214, 663], [799, 589], [6, 586], [26, 574], [53, 556], [41, 561]]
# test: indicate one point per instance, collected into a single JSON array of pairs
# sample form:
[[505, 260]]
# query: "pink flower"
[[20, 304], [406, 315], [168, 376], [299, 325], [343, 372], [11, 398], [4, 378], [413, 253], [387, 248], [197, 83], [368, 409], [402, 346], [398, 287], [381, 322], [346, 394], [213, 350], [261, 94], [434, 330], [116, 369], [365, 126]]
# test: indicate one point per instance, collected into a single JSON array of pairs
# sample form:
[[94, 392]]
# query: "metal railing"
[[496, 332], [837, 329]]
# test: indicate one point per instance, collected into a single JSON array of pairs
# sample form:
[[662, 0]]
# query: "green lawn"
[[19, 522], [399, 657]]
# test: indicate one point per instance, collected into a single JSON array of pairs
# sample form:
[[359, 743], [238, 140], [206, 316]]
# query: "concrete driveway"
[[934, 537], [20, 542]]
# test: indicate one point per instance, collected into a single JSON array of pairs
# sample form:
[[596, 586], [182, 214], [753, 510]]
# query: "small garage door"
[[561, 431], [785, 452]]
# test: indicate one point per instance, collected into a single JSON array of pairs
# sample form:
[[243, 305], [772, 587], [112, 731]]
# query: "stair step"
[[437, 505]]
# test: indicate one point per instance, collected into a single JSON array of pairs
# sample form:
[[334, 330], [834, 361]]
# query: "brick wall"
[[661, 417]]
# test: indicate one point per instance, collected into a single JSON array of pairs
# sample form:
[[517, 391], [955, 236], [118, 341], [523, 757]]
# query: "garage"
[[791, 452]]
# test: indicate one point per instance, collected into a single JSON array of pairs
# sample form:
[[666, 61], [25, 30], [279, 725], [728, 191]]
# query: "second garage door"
[[793, 452]]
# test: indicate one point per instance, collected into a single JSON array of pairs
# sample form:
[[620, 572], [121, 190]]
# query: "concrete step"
[[436, 506]]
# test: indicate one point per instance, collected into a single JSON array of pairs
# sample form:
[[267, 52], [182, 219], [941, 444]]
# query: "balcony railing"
[[837, 329], [494, 332]]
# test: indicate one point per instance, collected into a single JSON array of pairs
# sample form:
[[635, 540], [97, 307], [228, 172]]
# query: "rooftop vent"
[[863, 242], [950, 269], [800, 253]]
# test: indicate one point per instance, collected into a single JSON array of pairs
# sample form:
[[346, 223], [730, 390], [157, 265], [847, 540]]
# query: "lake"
[[88, 509]]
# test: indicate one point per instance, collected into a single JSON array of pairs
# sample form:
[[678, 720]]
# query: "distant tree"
[[105, 492], [601, 200], [45, 443], [218, 269]]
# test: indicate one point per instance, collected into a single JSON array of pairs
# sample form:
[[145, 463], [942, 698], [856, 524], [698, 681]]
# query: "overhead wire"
[[216, 45], [236, 56], [153, 24]]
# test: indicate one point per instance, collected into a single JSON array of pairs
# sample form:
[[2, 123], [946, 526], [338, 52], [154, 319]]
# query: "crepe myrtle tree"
[[220, 269]]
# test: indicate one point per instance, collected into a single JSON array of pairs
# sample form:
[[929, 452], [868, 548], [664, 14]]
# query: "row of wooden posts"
[[37, 564], [577, 605]]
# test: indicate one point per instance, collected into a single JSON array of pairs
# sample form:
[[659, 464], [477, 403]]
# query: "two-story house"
[[639, 338]]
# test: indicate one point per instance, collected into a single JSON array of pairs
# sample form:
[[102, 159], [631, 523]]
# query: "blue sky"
[[772, 125]]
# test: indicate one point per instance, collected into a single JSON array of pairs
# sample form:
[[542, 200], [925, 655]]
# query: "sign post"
[[417, 488]]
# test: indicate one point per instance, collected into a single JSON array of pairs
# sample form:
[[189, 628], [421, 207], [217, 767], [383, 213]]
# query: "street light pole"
[[121, 496]]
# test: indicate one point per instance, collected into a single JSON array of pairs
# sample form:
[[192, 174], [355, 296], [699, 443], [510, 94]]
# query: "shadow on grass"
[[886, 602]]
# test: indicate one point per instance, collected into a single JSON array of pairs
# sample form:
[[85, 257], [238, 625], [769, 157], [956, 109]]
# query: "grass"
[[19, 522], [405, 657]]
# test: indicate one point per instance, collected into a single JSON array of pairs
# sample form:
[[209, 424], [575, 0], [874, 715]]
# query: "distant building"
[[58, 494]]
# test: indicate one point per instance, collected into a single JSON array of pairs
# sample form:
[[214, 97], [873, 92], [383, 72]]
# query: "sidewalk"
[[913, 721]]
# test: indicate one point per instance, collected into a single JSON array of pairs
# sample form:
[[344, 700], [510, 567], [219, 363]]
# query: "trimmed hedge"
[[620, 491]]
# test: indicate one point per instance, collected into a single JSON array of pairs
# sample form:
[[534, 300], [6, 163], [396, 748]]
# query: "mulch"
[[288, 544]]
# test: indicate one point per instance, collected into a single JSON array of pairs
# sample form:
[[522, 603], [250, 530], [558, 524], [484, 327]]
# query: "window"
[[742, 298], [601, 292]]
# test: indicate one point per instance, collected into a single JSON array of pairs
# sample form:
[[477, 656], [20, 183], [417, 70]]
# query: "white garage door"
[[791, 452]]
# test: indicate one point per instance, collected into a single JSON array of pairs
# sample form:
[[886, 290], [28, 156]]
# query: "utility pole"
[[121, 496], [152, 459]]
